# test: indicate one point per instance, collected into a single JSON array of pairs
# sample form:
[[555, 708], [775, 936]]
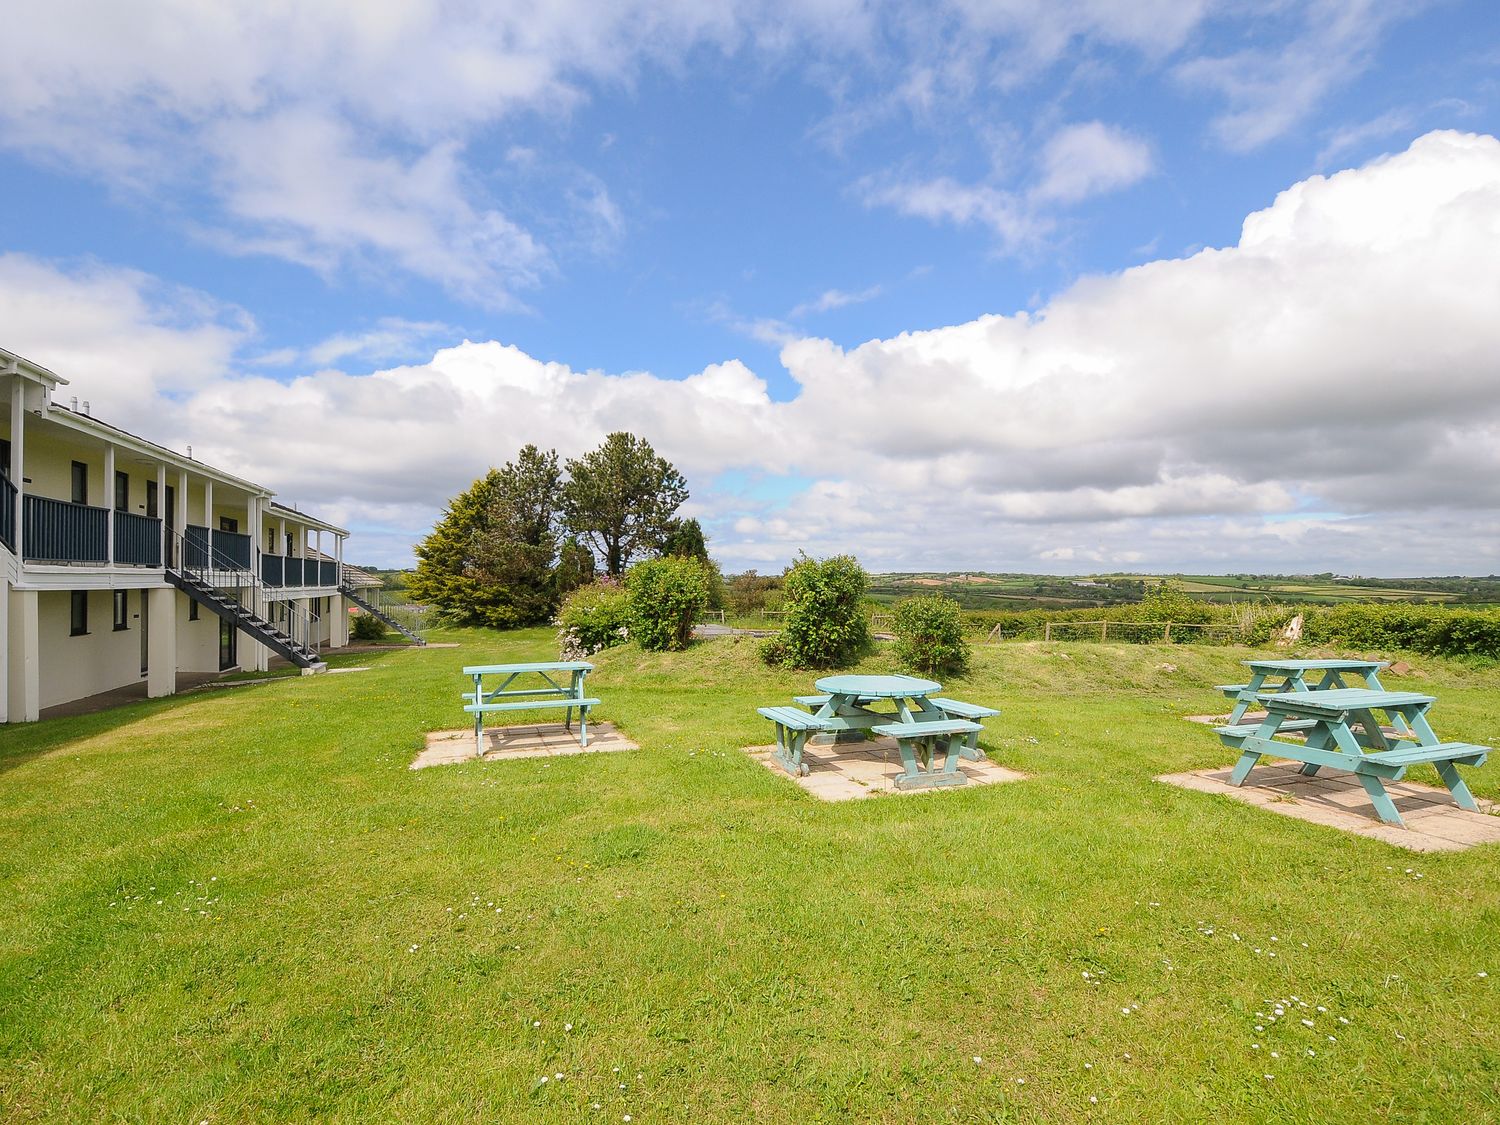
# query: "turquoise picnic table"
[[1294, 675], [1342, 730], [925, 725], [568, 695]]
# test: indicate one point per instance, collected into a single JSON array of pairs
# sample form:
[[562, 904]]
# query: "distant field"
[[1034, 591]]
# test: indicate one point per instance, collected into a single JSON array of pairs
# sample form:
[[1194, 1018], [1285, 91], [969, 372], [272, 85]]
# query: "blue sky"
[[822, 255]]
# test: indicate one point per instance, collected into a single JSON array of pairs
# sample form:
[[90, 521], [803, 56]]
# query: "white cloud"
[[1272, 89], [1091, 158], [1321, 395], [943, 199], [831, 299]]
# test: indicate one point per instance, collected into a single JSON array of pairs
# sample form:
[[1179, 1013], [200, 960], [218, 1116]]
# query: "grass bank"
[[241, 905]]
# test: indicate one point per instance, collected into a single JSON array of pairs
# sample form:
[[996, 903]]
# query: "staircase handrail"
[[232, 578]]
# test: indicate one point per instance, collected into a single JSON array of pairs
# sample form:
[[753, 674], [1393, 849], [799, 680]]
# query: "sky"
[[1063, 286]]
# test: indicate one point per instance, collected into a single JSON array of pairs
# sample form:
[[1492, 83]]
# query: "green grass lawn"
[[241, 905]]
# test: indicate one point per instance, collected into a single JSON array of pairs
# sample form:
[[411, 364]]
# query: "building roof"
[[13, 364], [286, 511]]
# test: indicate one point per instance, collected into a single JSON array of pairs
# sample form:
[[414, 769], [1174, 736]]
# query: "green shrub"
[[825, 624], [929, 637], [366, 627], [592, 618], [666, 596]]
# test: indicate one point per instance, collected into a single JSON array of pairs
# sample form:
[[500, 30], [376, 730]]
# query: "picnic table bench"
[[922, 724], [1294, 675], [1342, 731], [482, 702]]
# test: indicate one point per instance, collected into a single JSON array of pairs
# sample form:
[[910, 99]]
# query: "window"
[[226, 523], [153, 509], [80, 613], [289, 544], [122, 610], [192, 610], [122, 492], [5, 457], [80, 483]]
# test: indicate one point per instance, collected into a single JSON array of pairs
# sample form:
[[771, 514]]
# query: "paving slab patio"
[[852, 771], [1336, 799], [541, 740]]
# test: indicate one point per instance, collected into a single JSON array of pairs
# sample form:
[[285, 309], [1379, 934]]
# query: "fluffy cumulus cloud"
[[351, 135], [1323, 394]]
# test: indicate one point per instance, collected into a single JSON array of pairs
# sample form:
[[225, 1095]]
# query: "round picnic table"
[[879, 687], [848, 716]]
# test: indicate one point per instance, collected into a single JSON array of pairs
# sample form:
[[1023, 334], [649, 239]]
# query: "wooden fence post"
[[1047, 635], [1167, 634], [1103, 631]]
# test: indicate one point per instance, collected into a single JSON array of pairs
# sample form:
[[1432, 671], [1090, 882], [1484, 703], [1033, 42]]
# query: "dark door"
[[227, 634], [145, 631], [170, 516]]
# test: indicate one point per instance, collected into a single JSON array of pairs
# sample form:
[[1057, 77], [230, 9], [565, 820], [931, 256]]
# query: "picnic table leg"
[[1384, 807], [1318, 739], [1461, 795], [583, 725], [1372, 681], [1246, 697], [788, 752], [957, 744]]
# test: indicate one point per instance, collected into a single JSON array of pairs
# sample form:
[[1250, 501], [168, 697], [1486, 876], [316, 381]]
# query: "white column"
[[180, 502], [281, 547], [24, 658], [161, 678], [4, 650], [109, 504], [18, 455], [208, 507]]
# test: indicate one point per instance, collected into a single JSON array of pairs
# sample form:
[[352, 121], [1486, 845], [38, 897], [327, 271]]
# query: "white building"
[[123, 562]]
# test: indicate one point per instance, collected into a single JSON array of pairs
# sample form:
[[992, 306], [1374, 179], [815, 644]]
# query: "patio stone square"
[[541, 740], [1336, 799], [856, 770]]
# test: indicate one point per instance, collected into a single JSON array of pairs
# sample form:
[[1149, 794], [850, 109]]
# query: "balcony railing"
[[8, 513], [137, 539], [233, 548], [55, 531], [284, 570]]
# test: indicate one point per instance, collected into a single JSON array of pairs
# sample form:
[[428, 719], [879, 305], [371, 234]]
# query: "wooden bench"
[[957, 708], [1344, 734], [1232, 736], [484, 701], [792, 728], [918, 744]]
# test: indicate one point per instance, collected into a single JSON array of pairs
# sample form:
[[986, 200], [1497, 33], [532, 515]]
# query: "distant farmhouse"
[[123, 563]]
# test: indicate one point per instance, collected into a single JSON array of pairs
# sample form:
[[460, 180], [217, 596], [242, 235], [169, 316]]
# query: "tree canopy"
[[620, 499]]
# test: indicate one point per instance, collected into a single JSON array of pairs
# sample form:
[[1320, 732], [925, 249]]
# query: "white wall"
[[103, 658], [197, 641]]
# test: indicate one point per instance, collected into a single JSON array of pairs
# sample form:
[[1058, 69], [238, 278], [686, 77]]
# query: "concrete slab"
[[869, 769], [542, 740], [1336, 799]]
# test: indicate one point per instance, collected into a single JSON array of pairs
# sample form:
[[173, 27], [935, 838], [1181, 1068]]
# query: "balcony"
[[137, 540], [284, 570], [8, 514], [55, 531], [217, 550]]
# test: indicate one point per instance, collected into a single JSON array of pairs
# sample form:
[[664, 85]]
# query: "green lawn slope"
[[240, 905]]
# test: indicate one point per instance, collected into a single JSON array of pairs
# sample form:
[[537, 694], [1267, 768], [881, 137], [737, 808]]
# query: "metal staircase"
[[372, 605], [236, 595]]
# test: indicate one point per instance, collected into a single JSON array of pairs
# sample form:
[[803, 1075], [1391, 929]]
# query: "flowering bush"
[[593, 618]]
